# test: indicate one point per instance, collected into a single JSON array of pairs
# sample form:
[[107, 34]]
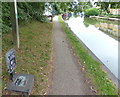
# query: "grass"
[[0, 63], [93, 68], [33, 57]]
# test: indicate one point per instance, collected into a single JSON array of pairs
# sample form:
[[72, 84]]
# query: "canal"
[[101, 37]]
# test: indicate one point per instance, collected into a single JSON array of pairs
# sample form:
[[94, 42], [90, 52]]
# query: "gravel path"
[[68, 78]]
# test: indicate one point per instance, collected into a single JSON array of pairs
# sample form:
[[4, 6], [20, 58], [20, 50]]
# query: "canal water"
[[102, 45]]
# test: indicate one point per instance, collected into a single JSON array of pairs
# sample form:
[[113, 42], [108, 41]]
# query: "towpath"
[[68, 78]]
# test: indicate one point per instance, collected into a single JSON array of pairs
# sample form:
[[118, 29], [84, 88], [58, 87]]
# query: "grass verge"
[[94, 71], [33, 56]]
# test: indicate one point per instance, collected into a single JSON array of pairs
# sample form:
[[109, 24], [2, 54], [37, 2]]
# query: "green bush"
[[103, 13], [5, 22], [26, 11], [92, 12]]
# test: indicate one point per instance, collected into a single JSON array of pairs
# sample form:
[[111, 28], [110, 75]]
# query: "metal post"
[[14, 21], [11, 76]]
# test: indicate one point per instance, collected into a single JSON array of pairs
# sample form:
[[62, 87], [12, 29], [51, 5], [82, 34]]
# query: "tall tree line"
[[62, 7], [105, 5], [26, 12]]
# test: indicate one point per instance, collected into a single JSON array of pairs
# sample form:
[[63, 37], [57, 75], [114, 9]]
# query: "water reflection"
[[109, 27], [102, 45]]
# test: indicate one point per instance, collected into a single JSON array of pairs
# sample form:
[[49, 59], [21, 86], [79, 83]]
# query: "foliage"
[[75, 7], [6, 17], [92, 12], [115, 5], [61, 7], [26, 11], [106, 5]]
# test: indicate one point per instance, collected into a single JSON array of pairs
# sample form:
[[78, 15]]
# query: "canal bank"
[[92, 67], [97, 41], [99, 17], [110, 75]]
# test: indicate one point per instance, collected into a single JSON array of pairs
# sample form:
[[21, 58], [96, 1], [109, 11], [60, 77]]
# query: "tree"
[[26, 12], [106, 5], [91, 12]]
